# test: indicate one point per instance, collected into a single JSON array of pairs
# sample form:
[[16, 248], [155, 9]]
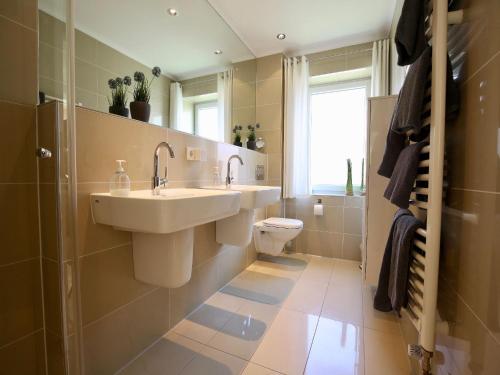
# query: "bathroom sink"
[[252, 196], [171, 211], [237, 230]]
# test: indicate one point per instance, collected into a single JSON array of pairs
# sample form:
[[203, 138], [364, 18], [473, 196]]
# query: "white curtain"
[[176, 107], [224, 104], [380, 68], [296, 134]]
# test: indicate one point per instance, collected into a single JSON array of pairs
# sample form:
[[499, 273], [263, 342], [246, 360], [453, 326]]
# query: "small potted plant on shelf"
[[119, 90], [251, 136], [140, 109], [348, 187], [237, 135]]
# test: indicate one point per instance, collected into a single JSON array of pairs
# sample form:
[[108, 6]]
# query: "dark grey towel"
[[403, 177], [393, 278], [410, 33], [394, 144], [408, 110]]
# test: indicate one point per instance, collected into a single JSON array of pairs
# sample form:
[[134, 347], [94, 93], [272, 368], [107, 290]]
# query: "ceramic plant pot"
[[120, 111], [140, 111], [251, 145], [239, 144]]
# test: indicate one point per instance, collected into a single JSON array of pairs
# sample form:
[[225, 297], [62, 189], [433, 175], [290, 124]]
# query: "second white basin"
[[252, 196]]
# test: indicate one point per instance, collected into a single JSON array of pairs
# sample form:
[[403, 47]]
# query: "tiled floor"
[[295, 314]]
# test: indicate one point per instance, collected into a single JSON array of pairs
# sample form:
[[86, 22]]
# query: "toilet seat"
[[279, 222]]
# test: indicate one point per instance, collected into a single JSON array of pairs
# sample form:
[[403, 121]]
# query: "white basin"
[[237, 230], [253, 196], [162, 227], [171, 211]]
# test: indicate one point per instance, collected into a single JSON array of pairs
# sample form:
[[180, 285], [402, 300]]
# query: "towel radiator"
[[427, 195]]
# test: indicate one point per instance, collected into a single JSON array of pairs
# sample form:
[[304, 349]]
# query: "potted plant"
[[237, 135], [140, 109], [348, 187], [119, 91], [251, 136]]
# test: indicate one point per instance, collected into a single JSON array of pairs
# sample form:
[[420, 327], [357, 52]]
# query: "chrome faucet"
[[229, 179], [158, 181]]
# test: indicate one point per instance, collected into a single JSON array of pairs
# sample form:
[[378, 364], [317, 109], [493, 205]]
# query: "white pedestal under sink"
[[237, 230], [162, 227]]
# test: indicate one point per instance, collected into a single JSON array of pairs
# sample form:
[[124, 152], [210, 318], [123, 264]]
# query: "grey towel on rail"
[[408, 110], [410, 36], [393, 278], [394, 144], [403, 177]]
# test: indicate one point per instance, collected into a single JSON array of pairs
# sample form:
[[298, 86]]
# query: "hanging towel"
[[394, 144], [408, 110], [403, 177], [410, 36], [393, 279]]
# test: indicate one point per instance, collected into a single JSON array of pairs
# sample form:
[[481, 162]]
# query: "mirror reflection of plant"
[[251, 132], [119, 90], [237, 133], [142, 88]]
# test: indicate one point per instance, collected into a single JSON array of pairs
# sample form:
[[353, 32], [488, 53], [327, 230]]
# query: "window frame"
[[332, 87], [197, 105]]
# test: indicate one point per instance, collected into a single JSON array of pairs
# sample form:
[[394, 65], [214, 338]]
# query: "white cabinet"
[[379, 211]]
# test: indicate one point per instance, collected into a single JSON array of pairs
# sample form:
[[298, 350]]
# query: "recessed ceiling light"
[[218, 52], [281, 36], [172, 11]]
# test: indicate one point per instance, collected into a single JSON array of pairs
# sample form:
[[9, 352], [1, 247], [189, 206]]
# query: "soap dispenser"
[[120, 182]]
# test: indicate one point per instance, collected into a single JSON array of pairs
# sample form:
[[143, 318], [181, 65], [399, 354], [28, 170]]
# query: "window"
[[338, 131], [206, 121]]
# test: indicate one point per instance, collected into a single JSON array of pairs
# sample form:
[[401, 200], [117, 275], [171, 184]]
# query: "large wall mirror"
[[205, 71]]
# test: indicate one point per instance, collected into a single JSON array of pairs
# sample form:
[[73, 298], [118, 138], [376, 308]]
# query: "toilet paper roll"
[[318, 210]]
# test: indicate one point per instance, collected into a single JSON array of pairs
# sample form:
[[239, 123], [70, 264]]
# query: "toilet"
[[271, 235]]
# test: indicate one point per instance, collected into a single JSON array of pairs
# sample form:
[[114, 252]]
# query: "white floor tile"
[[286, 346], [337, 349], [385, 354], [318, 270], [345, 303], [381, 321], [253, 369], [202, 324], [307, 297], [242, 334], [214, 362], [346, 272]]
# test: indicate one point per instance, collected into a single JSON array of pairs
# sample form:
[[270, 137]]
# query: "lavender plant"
[[119, 90], [142, 88]]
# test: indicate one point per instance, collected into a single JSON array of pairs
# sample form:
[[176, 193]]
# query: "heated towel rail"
[[427, 195]]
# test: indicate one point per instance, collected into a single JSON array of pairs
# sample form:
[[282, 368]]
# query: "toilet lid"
[[279, 222]]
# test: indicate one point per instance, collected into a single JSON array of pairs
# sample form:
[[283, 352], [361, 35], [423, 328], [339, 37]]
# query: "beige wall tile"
[[85, 47], [204, 282], [270, 117], [205, 246], [274, 166], [24, 357], [480, 35], [51, 31], [86, 76], [21, 307], [243, 94], [107, 282], [22, 11], [17, 149], [52, 297], [472, 144], [47, 116], [113, 341], [269, 67], [55, 354], [18, 222], [351, 247], [352, 220], [245, 71], [320, 243], [230, 263], [48, 221], [103, 138], [273, 141], [269, 91], [51, 62]]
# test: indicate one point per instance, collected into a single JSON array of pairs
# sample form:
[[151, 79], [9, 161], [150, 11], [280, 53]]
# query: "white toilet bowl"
[[271, 235]]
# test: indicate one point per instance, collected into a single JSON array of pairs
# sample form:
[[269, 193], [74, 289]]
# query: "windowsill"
[[336, 194]]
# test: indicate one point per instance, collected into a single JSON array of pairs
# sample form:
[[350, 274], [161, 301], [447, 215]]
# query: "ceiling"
[[310, 25], [182, 46]]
